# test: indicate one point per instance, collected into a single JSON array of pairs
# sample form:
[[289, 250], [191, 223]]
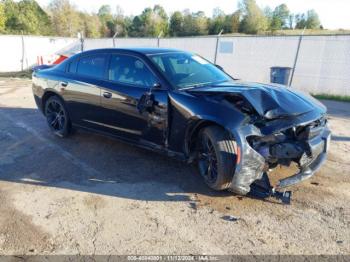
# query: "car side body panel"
[[189, 111]]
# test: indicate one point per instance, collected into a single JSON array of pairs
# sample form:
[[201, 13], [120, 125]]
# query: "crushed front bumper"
[[252, 165], [319, 147]]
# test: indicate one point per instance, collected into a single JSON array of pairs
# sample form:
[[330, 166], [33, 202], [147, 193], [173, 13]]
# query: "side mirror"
[[146, 101]]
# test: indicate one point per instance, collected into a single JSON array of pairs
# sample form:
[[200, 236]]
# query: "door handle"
[[64, 84], [107, 94]]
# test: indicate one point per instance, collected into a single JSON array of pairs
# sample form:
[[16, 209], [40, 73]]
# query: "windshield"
[[186, 70]]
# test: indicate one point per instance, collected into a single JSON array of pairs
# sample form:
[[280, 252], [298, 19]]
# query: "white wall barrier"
[[323, 63], [18, 53]]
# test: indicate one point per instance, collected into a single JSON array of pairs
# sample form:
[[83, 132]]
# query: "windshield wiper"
[[195, 85], [203, 84]]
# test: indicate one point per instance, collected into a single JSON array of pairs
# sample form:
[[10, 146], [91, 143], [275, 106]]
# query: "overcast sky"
[[334, 14]]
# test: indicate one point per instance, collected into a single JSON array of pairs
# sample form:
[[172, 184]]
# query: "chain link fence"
[[321, 63]]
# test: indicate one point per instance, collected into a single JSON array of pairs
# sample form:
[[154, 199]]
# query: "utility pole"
[[81, 39], [114, 36], [23, 53], [158, 38], [217, 45], [296, 57]]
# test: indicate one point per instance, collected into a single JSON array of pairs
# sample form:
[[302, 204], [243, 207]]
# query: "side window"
[[92, 66], [130, 70], [72, 67]]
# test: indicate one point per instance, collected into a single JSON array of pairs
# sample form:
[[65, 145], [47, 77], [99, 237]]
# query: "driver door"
[[129, 78]]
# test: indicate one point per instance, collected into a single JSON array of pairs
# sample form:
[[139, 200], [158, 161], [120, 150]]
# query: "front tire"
[[216, 157], [57, 116]]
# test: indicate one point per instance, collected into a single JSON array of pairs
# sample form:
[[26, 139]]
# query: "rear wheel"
[[57, 116], [216, 157]]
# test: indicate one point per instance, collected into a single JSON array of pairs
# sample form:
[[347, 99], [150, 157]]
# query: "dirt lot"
[[92, 195]]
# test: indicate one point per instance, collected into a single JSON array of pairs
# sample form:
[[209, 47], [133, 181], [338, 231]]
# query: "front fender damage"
[[280, 127], [251, 165]]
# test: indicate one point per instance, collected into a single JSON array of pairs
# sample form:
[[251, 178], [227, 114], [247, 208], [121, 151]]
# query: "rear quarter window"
[[72, 67]]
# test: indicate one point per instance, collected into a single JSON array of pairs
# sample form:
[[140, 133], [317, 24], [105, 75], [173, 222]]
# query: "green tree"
[[151, 22], [235, 21], [33, 18], [217, 23], [291, 19], [195, 24], [269, 15], [201, 23], [107, 21], [161, 20], [11, 16], [280, 17], [120, 23], [105, 11], [65, 18], [26, 17], [228, 24], [254, 20], [91, 25], [154, 21], [2, 18], [312, 21], [300, 21], [136, 27], [176, 24], [276, 24], [221, 21]]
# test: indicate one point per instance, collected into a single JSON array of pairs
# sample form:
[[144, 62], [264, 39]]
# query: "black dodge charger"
[[180, 104]]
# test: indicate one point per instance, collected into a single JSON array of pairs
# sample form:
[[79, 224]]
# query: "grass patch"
[[21, 74], [332, 97], [296, 32], [311, 32]]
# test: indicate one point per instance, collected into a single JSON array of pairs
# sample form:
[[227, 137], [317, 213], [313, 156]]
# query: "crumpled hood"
[[269, 100]]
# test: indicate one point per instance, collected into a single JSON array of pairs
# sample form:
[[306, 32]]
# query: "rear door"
[[83, 88], [129, 78]]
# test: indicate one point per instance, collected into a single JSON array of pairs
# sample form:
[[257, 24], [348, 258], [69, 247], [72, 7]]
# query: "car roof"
[[140, 50], [137, 50]]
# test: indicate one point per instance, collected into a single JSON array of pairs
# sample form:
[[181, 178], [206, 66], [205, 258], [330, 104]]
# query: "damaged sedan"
[[179, 104]]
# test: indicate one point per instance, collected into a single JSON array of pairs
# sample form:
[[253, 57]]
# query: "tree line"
[[62, 18]]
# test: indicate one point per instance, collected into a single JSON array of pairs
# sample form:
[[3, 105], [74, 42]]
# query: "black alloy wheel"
[[208, 164], [57, 116], [216, 157]]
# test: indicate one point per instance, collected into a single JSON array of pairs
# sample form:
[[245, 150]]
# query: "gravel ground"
[[92, 195]]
